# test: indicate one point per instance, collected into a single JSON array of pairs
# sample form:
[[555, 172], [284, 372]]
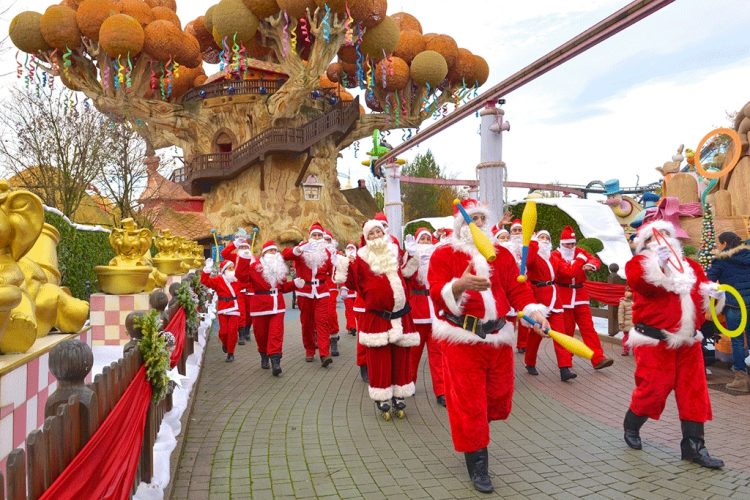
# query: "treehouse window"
[[223, 143]]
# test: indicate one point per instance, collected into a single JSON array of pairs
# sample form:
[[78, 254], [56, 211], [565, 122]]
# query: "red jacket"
[[317, 281], [570, 287], [227, 292], [448, 263], [422, 310], [230, 253], [265, 298]]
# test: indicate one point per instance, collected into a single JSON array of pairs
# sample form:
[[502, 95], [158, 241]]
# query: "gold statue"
[[198, 258], [129, 271], [167, 260], [31, 300]]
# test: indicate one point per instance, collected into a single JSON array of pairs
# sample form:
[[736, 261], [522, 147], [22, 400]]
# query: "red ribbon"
[[606, 293]]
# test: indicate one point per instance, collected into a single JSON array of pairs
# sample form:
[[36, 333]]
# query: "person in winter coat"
[[732, 266], [625, 319]]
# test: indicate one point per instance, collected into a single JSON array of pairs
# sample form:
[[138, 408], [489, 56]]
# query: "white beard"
[[465, 234], [514, 246], [351, 253], [545, 249], [567, 253], [379, 256], [315, 255], [274, 268], [424, 252], [229, 276]]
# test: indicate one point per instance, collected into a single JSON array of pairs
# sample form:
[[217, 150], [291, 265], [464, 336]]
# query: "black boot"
[[241, 336], [352, 331], [694, 448], [363, 374], [567, 374], [276, 365], [478, 467], [264, 361], [632, 426], [335, 346]]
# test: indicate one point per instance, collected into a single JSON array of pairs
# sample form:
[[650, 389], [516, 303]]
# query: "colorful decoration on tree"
[[708, 238]]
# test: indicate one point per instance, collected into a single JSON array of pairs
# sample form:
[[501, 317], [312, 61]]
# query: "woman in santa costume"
[[385, 328], [515, 245], [230, 252], [575, 298], [420, 249], [313, 268], [228, 308], [472, 298], [267, 280], [349, 296], [670, 298], [542, 269], [333, 292]]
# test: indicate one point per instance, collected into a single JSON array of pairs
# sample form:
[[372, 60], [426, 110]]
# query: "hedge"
[[77, 254], [553, 219]]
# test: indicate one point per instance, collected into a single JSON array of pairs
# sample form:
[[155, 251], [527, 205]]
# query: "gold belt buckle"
[[475, 321]]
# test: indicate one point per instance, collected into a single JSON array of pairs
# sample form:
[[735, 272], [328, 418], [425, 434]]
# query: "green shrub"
[[77, 254], [412, 227], [554, 220]]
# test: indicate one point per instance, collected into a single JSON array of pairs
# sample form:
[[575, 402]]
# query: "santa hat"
[[543, 231], [268, 245], [351, 245], [646, 232], [448, 232], [420, 232], [316, 227], [327, 233], [516, 223], [370, 225], [472, 207], [226, 264], [567, 235], [500, 232], [381, 217]]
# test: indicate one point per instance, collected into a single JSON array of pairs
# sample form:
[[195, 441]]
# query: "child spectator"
[[625, 319]]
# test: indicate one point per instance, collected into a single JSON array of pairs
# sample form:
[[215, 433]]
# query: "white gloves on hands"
[[410, 244], [209, 265], [299, 282], [662, 254], [245, 253], [715, 293]]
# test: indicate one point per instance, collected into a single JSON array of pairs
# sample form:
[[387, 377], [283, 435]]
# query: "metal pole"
[[392, 206], [491, 169]]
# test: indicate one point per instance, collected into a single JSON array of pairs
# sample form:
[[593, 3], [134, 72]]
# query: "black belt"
[[570, 285], [313, 282], [474, 325], [388, 315], [542, 283], [227, 299], [650, 331], [266, 292], [420, 292]]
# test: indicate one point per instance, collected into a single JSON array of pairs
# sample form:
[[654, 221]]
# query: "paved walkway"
[[315, 433]]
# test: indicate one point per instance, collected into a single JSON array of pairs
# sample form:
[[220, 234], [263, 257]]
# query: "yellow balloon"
[[743, 312]]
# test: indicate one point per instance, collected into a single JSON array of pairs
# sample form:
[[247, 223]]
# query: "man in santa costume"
[[420, 248], [472, 298], [574, 297], [670, 297], [267, 280], [349, 296], [542, 269], [515, 245], [228, 307], [313, 268], [385, 328], [333, 292], [230, 252]]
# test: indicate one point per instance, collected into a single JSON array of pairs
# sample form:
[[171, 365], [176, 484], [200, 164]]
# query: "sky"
[[618, 110]]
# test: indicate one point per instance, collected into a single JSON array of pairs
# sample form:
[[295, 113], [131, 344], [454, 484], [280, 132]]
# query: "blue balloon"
[[202, 93], [263, 90]]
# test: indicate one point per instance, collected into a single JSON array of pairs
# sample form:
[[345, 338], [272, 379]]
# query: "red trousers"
[[389, 372], [228, 326], [659, 371], [479, 379], [351, 323], [523, 333], [269, 333], [314, 314], [564, 357], [434, 357], [581, 315], [333, 317], [361, 350]]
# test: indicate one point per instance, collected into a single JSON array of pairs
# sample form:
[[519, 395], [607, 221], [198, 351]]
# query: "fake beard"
[[229, 276], [567, 253], [274, 268], [379, 257], [545, 249], [514, 245], [350, 252], [465, 234], [315, 254], [424, 252]]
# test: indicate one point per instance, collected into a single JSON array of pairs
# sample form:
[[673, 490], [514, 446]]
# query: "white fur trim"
[[396, 333], [409, 339], [582, 257], [635, 339], [669, 279], [380, 393], [411, 267], [458, 219], [646, 232], [571, 240], [370, 225], [317, 231], [529, 309], [297, 251], [705, 289], [450, 300], [686, 333], [373, 339], [403, 391], [272, 247], [341, 272], [443, 330]]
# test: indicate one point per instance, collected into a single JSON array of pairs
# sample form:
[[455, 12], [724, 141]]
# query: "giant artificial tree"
[[135, 62]]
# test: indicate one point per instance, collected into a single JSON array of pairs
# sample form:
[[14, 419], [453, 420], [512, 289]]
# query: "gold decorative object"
[[128, 272], [185, 253], [167, 260], [31, 300], [198, 258]]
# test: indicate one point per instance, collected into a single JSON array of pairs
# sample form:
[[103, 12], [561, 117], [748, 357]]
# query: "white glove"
[[239, 241], [245, 253], [662, 254], [299, 282], [717, 294], [209, 265], [343, 294], [410, 244]]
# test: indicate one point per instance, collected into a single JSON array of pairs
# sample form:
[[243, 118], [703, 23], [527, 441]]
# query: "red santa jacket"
[[265, 299], [378, 293], [570, 287], [666, 299], [230, 253], [227, 292], [422, 309], [317, 281], [541, 275], [448, 263]]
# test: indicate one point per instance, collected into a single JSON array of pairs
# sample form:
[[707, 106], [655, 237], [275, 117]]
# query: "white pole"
[[393, 207], [491, 169]]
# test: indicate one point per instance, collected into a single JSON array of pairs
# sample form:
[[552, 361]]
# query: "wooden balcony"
[[231, 87]]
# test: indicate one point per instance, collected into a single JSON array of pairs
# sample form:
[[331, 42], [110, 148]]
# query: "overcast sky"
[[617, 111]]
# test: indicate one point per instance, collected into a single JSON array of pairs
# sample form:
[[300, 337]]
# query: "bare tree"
[[52, 145]]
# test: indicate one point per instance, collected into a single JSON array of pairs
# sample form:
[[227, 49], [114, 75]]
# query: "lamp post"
[[311, 188], [491, 169]]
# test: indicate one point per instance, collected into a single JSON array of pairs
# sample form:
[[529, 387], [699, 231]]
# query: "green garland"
[[187, 300], [153, 348]]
